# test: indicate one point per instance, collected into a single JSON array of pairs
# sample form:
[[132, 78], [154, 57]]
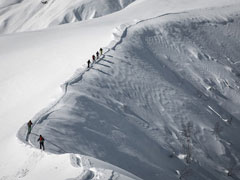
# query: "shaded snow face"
[[18, 16], [93, 9], [168, 89]]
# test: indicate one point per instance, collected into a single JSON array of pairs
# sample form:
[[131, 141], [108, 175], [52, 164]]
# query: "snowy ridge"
[[118, 35], [182, 100], [90, 168], [162, 83]]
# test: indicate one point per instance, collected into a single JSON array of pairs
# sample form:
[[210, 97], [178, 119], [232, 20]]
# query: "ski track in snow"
[[177, 89]]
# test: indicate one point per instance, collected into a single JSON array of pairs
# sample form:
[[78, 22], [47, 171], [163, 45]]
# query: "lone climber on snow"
[[29, 124], [41, 141]]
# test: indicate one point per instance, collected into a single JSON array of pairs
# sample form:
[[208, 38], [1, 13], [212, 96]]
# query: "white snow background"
[[167, 87]]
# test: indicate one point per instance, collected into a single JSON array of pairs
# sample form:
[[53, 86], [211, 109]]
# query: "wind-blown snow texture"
[[168, 79], [18, 16]]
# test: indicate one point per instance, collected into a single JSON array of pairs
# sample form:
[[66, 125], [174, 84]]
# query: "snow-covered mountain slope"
[[27, 15], [17, 16], [28, 60], [34, 64], [168, 89]]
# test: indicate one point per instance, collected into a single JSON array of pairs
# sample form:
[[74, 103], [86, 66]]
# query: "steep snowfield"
[[34, 64], [170, 80], [28, 15]]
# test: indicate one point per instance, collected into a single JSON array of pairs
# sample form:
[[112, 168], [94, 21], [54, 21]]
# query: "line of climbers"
[[29, 124], [95, 57], [40, 139]]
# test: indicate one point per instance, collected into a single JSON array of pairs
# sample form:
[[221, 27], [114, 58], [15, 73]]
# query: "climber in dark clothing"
[[29, 124], [41, 141], [97, 54], [88, 63]]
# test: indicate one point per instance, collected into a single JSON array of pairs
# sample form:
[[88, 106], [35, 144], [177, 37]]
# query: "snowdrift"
[[165, 99]]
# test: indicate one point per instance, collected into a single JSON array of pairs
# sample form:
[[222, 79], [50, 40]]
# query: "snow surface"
[[164, 72], [26, 15], [129, 108]]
